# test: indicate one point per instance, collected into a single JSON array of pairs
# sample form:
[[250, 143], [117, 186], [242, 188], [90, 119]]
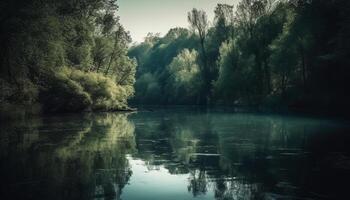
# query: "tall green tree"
[[199, 22], [184, 83]]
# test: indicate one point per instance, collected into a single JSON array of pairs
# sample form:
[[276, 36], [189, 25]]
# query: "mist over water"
[[174, 154]]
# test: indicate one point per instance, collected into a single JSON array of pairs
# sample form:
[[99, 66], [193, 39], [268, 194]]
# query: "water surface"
[[174, 154]]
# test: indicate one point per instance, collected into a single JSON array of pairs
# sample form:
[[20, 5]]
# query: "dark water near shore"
[[174, 154]]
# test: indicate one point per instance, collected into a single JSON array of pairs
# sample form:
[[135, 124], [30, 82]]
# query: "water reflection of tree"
[[197, 182], [189, 139], [236, 156], [233, 156], [69, 157]]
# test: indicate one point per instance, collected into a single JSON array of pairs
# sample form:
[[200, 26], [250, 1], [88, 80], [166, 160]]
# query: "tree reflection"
[[235, 156], [198, 182], [69, 157], [227, 156]]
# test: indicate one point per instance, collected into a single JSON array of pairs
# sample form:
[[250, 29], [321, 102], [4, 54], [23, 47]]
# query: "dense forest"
[[64, 56], [72, 56], [249, 101], [275, 54]]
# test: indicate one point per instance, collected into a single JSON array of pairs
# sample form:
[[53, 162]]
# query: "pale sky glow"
[[158, 16], [158, 183]]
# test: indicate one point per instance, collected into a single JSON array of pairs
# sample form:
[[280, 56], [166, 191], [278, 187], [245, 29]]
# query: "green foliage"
[[184, 82], [284, 47], [270, 53], [234, 83], [73, 55], [18, 101], [75, 90], [62, 94], [24, 93], [153, 57], [222, 31], [148, 89]]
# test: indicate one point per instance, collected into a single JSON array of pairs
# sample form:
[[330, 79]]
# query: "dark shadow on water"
[[75, 157]]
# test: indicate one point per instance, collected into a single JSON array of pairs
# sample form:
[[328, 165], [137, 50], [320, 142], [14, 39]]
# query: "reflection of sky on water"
[[151, 184]]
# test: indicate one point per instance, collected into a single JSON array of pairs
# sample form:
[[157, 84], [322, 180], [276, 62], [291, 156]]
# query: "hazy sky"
[[158, 16]]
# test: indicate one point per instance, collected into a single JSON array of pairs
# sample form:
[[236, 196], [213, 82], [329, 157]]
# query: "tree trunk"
[[205, 73], [98, 66], [109, 63], [303, 69], [267, 76], [303, 65]]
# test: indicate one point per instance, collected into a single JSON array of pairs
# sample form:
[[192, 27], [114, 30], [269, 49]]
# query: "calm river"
[[174, 154]]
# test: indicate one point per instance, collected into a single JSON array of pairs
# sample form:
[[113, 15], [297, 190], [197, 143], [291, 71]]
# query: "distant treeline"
[[260, 52], [64, 56]]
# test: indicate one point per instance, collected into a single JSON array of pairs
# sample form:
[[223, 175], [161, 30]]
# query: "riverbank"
[[13, 112], [10, 111], [318, 112]]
